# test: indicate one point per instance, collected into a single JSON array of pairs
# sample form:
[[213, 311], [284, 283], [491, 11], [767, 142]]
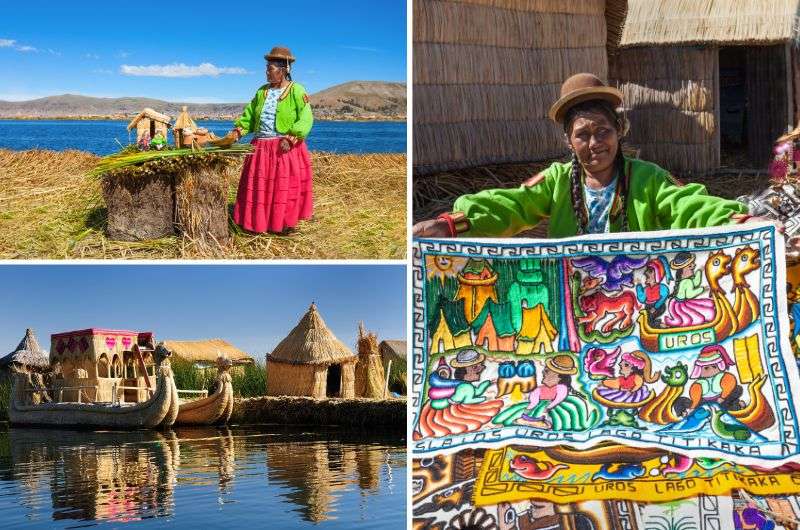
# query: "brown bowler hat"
[[580, 88], [280, 53]]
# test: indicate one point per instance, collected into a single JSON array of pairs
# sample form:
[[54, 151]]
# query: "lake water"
[[101, 136], [243, 477]]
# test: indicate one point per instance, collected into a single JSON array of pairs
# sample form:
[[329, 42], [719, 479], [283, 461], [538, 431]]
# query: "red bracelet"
[[744, 218], [451, 224]]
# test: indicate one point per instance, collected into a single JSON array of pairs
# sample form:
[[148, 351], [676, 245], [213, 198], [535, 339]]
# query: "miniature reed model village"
[[124, 379], [638, 370]]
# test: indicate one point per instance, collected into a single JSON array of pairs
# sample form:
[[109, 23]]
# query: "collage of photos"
[[400, 264]]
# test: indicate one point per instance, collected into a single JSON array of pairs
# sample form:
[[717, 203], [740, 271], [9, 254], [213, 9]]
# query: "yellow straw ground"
[[50, 209]]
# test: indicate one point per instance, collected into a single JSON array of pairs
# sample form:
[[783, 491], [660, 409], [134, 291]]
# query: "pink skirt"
[[275, 188]]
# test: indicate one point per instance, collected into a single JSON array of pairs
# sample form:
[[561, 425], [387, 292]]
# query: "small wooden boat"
[[214, 409], [159, 410]]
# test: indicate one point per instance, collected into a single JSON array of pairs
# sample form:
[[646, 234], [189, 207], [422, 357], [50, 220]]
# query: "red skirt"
[[275, 187]]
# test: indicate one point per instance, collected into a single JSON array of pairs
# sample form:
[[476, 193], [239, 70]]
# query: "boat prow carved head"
[[162, 353]]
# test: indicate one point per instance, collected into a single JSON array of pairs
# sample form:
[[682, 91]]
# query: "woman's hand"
[[285, 145], [744, 218], [431, 228]]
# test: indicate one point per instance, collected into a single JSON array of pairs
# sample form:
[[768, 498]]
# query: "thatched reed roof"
[[184, 121], [487, 71], [675, 22], [27, 353], [153, 115], [311, 342], [206, 351], [396, 350]]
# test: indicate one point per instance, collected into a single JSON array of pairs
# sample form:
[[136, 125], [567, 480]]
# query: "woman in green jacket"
[[275, 189], [598, 190]]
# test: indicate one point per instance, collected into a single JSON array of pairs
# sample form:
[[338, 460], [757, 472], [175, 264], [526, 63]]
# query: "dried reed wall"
[[286, 379], [487, 71], [670, 101]]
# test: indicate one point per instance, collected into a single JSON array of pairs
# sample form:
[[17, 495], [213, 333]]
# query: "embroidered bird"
[[599, 363], [613, 275]]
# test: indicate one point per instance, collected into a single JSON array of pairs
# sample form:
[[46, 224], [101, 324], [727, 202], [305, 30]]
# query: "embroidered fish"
[[533, 469], [619, 472]]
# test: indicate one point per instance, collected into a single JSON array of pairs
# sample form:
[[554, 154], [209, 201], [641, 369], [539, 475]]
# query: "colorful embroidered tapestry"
[[611, 471], [442, 488], [677, 340]]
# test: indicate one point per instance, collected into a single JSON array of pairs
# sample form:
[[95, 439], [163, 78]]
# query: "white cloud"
[[11, 43], [360, 48], [102, 71], [180, 70], [123, 54], [90, 56]]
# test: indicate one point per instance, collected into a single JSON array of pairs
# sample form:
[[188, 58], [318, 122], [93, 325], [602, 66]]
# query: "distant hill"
[[353, 100]]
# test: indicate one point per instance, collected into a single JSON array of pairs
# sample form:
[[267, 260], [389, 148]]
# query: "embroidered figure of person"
[[654, 293], [712, 382], [685, 308]]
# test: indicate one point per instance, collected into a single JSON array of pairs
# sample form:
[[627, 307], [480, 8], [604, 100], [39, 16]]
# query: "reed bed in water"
[[249, 380], [51, 209]]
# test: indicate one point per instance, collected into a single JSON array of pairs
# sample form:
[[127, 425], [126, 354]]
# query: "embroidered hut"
[[28, 356], [151, 123], [706, 79], [527, 290], [485, 74], [203, 353], [311, 361], [476, 285], [448, 327], [94, 362], [537, 333], [369, 377], [493, 327]]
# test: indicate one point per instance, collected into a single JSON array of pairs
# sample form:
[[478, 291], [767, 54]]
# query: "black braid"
[[624, 183], [578, 204]]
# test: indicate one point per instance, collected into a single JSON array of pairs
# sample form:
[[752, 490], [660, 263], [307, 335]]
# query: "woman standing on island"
[[275, 190]]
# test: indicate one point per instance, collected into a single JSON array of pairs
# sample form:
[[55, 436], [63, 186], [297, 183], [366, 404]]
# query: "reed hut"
[[370, 381], [28, 356], [708, 80], [311, 361], [395, 351], [150, 122], [203, 354], [184, 126], [487, 71], [94, 362]]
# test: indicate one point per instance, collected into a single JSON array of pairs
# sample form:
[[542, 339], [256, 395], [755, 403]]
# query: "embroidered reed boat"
[[723, 325], [214, 409]]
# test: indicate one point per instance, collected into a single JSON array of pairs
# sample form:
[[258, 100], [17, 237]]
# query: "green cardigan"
[[655, 202], [293, 115]]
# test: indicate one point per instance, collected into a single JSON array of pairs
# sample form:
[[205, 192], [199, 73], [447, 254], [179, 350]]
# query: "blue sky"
[[252, 307], [97, 48]]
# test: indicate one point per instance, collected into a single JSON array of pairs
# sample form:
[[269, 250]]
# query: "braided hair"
[[596, 106]]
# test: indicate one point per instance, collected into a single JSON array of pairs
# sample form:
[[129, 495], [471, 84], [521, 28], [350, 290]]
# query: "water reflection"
[[290, 478]]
